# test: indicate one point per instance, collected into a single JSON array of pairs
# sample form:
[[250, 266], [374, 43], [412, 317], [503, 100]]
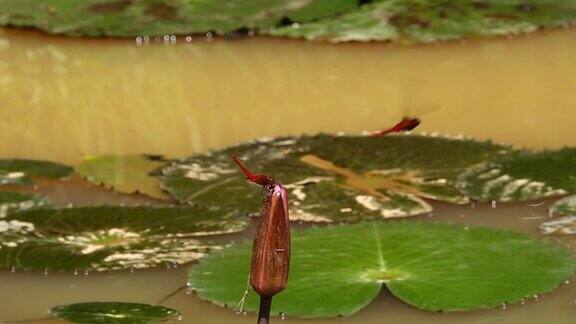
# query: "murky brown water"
[[61, 98]]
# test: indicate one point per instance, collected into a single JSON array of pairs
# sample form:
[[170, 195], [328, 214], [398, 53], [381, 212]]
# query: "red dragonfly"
[[406, 124]]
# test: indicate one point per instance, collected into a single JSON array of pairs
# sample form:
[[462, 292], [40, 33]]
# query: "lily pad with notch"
[[113, 312], [522, 176], [111, 238], [359, 177], [124, 173], [338, 270]]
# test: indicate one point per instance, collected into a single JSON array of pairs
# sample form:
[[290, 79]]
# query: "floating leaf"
[[522, 176], [124, 173], [338, 270], [14, 201], [429, 21], [563, 226], [334, 178], [110, 238], [564, 206], [16, 178], [16, 171], [335, 20], [129, 18], [113, 312]]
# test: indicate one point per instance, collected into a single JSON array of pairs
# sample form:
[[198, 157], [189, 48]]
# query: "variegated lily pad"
[[14, 201], [124, 173], [564, 206], [110, 238], [522, 176], [428, 21], [16, 171], [561, 226], [128, 18], [113, 312], [359, 177], [334, 20], [338, 270]]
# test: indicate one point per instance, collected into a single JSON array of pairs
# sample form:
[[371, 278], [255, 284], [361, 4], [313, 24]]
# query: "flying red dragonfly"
[[406, 124]]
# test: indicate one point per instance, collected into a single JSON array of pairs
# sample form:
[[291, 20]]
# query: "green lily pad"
[[522, 176], [110, 238], [126, 18], [17, 171], [338, 270], [124, 173], [113, 312], [334, 178], [564, 206], [14, 201], [429, 21]]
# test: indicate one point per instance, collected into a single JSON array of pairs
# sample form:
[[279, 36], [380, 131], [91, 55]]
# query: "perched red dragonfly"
[[406, 124], [271, 247]]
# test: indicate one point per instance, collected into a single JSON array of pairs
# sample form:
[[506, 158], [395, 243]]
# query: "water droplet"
[[493, 203], [209, 37], [282, 316]]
